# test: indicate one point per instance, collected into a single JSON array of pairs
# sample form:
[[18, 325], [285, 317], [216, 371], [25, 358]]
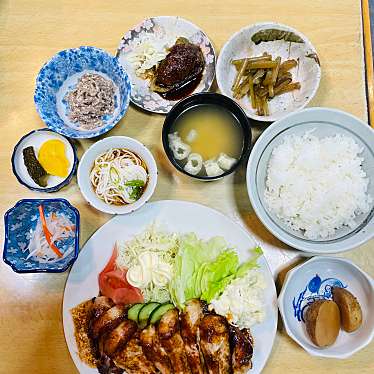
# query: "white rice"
[[317, 185]]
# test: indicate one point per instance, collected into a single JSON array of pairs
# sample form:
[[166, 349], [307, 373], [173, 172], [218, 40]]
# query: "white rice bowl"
[[317, 185], [322, 123]]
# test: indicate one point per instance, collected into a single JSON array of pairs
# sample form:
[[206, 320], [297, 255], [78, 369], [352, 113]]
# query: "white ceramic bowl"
[[313, 280], [87, 161], [324, 122], [308, 71]]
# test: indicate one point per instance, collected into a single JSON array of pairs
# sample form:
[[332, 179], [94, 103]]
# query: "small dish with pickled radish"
[[41, 235]]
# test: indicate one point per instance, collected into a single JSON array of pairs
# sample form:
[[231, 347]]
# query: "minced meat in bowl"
[[82, 92]]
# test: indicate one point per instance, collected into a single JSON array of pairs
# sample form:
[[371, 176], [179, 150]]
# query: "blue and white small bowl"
[[313, 280], [60, 75], [35, 139], [19, 223]]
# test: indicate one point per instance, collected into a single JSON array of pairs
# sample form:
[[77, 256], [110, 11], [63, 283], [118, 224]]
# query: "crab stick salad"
[[47, 241]]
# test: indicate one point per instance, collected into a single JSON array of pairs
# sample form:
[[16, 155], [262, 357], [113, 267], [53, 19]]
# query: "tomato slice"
[[113, 284], [127, 296]]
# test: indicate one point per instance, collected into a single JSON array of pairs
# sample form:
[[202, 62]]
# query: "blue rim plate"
[[66, 64], [35, 267], [65, 182]]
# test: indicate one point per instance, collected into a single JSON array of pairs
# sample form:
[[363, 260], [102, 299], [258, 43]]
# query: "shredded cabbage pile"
[[242, 301], [152, 239], [200, 269]]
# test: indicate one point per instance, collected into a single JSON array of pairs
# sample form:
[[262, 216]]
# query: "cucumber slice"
[[159, 312], [145, 312], [133, 312]]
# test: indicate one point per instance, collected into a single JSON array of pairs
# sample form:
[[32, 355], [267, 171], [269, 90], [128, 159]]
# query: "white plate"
[[174, 216], [308, 71], [163, 29]]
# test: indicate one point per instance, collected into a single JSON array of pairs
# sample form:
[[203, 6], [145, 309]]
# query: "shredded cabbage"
[[164, 244], [199, 269]]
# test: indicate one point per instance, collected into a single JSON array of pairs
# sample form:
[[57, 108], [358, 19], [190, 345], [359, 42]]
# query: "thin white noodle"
[[112, 170]]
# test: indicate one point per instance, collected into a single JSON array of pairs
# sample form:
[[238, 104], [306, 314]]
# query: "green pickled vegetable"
[[33, 166], [269, 35]]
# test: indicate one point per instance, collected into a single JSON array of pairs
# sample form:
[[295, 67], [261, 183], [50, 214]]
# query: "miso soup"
[[211, 132]]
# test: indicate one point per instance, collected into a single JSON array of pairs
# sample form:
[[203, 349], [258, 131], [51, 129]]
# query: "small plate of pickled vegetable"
[[270, 69], [41, 235], [44, 161]]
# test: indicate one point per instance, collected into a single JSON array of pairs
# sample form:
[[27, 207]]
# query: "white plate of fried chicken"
[[195, 340]]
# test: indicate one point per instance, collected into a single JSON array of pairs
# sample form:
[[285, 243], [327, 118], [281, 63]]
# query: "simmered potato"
[[322, 320], [350, 309]]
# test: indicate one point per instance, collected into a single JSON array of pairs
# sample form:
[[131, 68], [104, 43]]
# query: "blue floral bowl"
[[314, 280], [61, 73], [20, 222]]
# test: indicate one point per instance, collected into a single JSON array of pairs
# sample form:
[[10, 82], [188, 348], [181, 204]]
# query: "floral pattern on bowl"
[[162, 29], [313, 280], [316, 289], [61, 73], [19, 223]]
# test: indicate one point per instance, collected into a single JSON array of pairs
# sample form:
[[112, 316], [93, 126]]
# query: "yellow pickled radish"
[[53, 159]]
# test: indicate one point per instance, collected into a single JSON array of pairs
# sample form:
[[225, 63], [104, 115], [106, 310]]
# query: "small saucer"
[[314, 280], [36, 138]]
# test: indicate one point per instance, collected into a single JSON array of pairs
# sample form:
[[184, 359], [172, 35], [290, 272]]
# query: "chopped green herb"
[[136, 193], [114, 175], [135, 183]]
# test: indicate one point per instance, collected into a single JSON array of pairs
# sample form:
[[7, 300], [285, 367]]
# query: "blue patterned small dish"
[[19, 223], [314, 280], [61, 73]]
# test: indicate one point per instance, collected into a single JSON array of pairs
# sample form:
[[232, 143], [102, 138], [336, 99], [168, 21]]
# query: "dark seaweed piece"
[[269, 35], [314, 56], [35, 170]]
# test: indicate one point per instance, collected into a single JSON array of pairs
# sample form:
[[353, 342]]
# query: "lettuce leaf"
[[218, 274], [203, 269], [250, 264]]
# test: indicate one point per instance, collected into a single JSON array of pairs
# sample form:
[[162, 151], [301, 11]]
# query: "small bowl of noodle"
[[117, 175]]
